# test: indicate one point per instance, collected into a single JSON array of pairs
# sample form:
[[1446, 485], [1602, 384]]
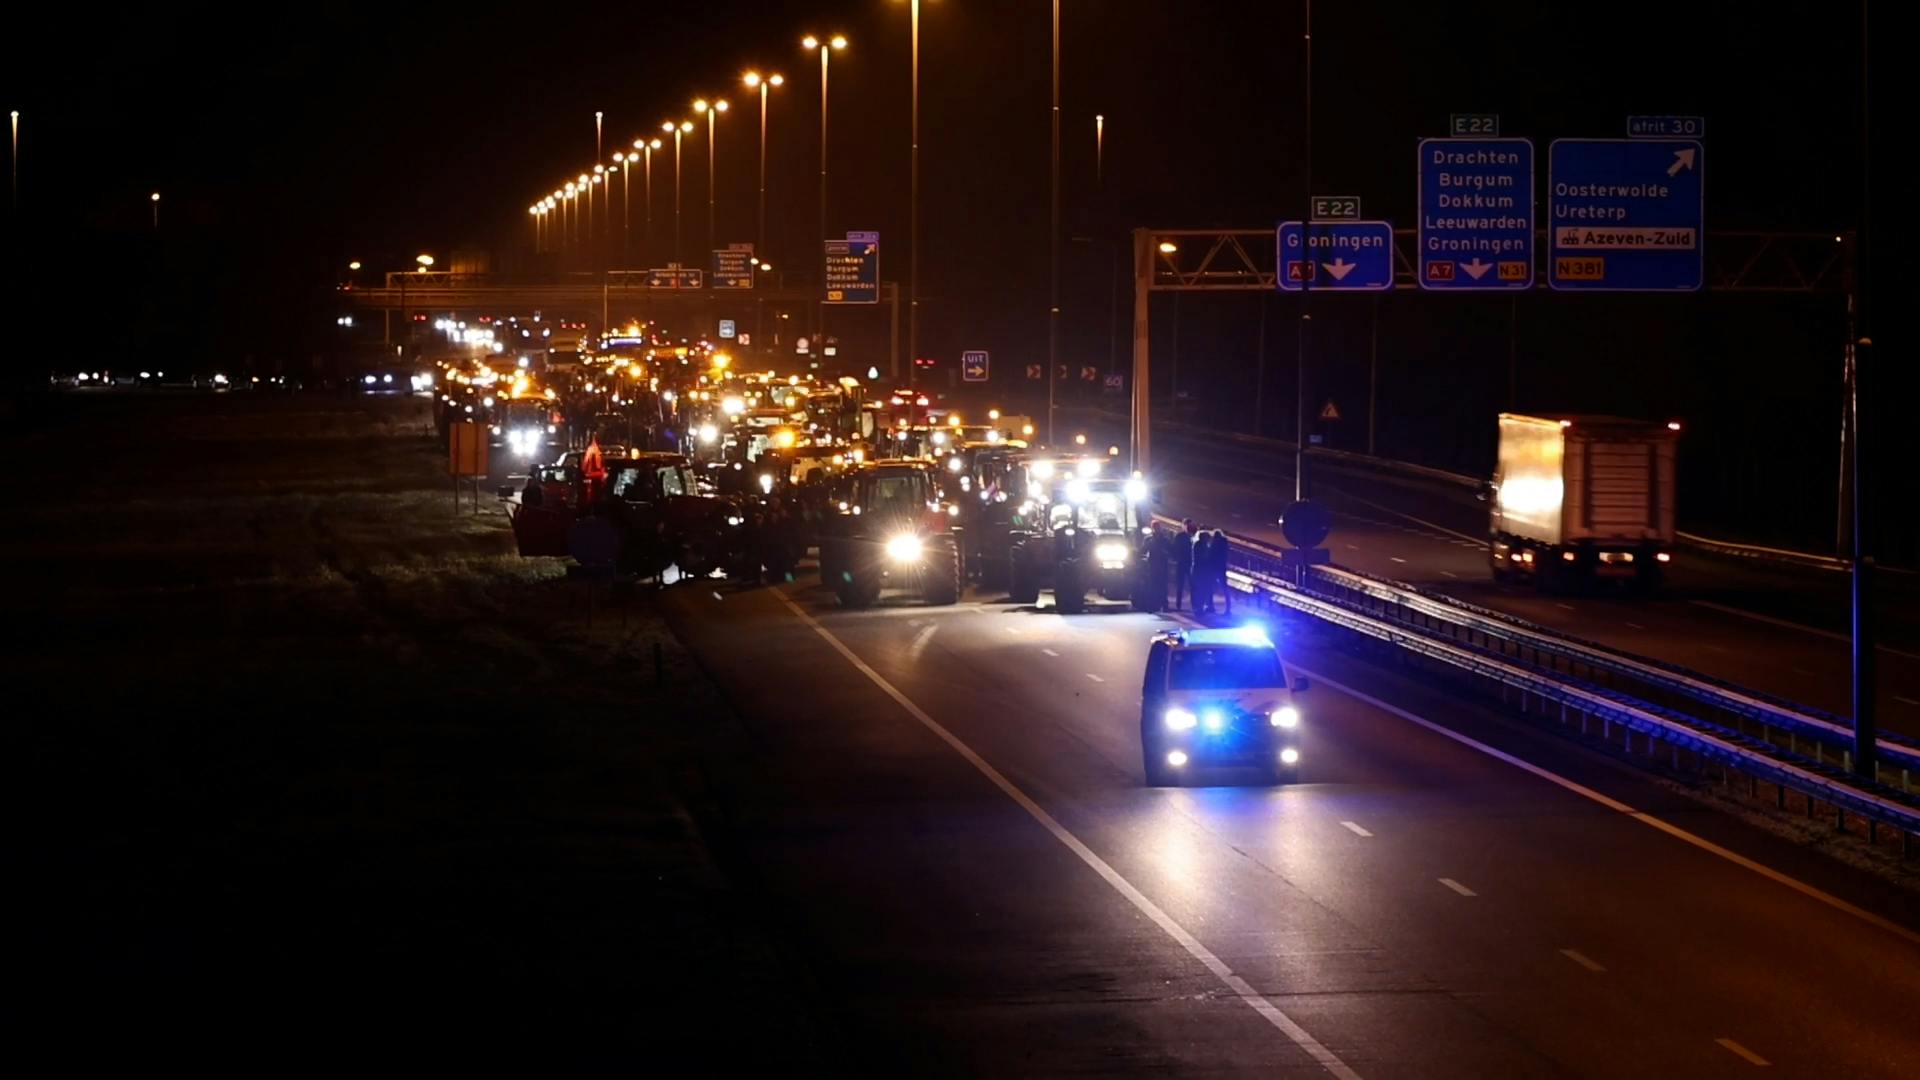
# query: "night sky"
[[292, 140]]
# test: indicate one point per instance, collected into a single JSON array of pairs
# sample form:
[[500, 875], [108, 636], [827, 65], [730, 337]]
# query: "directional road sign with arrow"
[[1476, 214], [1334, 255], [1625, 214]]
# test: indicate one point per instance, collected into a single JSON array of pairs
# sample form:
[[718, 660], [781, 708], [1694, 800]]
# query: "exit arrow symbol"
[[1339, 268], [1682, 159], [1476, 269]]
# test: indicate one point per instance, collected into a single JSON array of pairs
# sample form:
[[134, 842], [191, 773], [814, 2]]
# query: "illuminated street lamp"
[[155, 198], [626, 202], [678, 130], [825, 48], [713, 111], [648, 147], [425, 261], [754, 81], [1168, 247]]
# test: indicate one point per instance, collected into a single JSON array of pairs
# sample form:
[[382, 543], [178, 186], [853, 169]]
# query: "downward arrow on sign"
[[1339, 268], [1476, 269], [1682, 159]]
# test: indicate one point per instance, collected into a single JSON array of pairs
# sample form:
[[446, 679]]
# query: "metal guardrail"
[[1819, 727], [1444, 631]]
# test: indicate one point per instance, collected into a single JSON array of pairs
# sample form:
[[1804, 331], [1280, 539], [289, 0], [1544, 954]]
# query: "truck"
[[1582, 498]]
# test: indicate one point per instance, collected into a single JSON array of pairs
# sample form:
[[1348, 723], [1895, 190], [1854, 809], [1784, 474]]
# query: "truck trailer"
[[1582, 498]]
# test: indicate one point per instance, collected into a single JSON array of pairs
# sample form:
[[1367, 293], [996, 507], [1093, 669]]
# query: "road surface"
[[948, 813]]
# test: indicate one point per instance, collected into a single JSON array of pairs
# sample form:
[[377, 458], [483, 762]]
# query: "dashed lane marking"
[[1355, 829], [1239, 986], [1741, 1051], [1582, 959]]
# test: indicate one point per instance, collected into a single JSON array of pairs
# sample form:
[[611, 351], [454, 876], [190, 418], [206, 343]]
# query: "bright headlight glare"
[[1077, 490], [1042, 470], [1111, 553], [1180, 719], [1136, 490], [1289, 756], [904, 548], [954, 464], [1286, 716]]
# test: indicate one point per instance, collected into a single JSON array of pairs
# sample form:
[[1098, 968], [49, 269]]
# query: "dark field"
[[312, 774]]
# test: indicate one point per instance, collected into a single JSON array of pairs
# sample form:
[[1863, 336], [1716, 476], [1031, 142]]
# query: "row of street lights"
[[572, 204]]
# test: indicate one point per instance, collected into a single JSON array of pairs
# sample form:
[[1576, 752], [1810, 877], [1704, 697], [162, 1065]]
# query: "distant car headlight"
[[905, 548], [954, 464], [1180, 719], [1286, 716], [1111, 554]]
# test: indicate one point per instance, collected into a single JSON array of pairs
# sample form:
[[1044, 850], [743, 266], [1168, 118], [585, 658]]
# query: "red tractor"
[[890, 527]]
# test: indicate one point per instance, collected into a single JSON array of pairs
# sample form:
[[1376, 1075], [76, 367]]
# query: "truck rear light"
[[1663, 556]]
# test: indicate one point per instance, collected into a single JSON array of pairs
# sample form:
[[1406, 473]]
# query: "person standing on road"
[[1218, 577], [1183, 562], [1202, 566]]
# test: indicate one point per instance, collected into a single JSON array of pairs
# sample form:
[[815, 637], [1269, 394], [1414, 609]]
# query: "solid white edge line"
[[1094, 677], [1789, 624], [1611, 803], [1252, 998], [1457, 887], [1355, 828], [1736, 1048], [1582, 959]]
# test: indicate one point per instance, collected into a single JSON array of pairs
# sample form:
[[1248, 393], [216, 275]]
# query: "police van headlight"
[[1111, 554], [905, 548], [1180, 719], [1286, 716]]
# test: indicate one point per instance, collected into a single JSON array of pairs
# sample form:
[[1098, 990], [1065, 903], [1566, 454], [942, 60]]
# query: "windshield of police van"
[[1224, 669]]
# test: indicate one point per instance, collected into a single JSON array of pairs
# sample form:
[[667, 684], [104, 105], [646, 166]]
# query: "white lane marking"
[[1477, 540], [1582, 959], [1353, 547], [1614, 804], [1457, 887], [1752, 1058], [1905, 700], [1240, 988], [1564, 607], [1094, 677], [1355, 829], [1396, 558], [1049, 652], [1450, 573], [1790, 625], [1636, 626], [1801, 671], [920, 641]]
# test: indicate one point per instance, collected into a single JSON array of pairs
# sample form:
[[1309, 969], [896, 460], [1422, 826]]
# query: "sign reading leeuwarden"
[[1476, 214]]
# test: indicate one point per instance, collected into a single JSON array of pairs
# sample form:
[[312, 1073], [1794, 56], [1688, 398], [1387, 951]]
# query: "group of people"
[[1199, 559]]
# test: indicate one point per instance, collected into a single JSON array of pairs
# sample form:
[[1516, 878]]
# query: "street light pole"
[[1053, 237], [713, 111], [646, 238], [825, 48], [1306, 283], [678, 130], [753, 79], [625, 165], [15, 159], [913, 216], [597, 117], [155, 199]]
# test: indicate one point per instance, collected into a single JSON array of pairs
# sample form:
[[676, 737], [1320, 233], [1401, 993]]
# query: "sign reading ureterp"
[[1625, 214], [1476, 214]]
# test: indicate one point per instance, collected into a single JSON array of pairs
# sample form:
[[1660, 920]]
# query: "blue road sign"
[[973, 365], [1666, 127], [673, 277], [1625, 214], [733, 268], [1351, 255], [853, 269], [1476, 214]]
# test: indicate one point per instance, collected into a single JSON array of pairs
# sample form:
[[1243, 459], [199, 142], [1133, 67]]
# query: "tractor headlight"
[[1136, 490], [905, 548], [1286, 716], [1180, 719], [1111, 554]]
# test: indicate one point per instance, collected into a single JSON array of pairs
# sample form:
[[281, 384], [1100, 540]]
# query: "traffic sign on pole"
[[1476, 214], [1333, 255], [1625, 215], [1666, 127], [853, 269], [973, 365], [674, 276]]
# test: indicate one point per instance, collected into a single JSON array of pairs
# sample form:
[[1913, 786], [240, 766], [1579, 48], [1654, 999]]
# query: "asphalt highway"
[[946, 814], [1773, 629]]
